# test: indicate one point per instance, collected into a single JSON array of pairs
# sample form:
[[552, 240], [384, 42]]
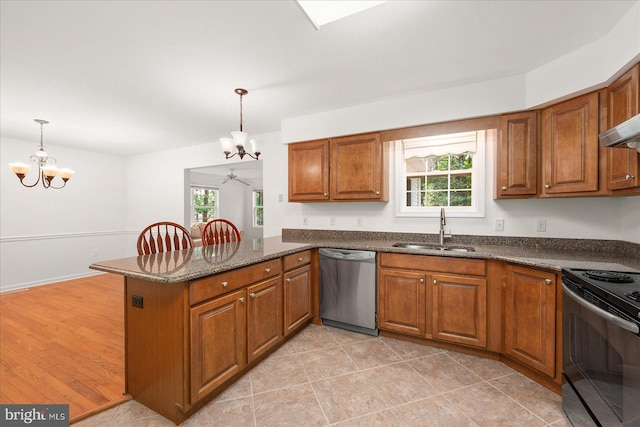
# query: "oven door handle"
[[624, 324]]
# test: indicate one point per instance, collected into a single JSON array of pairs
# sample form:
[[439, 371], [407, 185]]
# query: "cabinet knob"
[[547, 281], [325, 195], [225, 284], [435, 282], [300, 259], [267, 270], [241, 299], [504, 188], [377, 193], [288, 279], [421, 280], [252, 294], [629, 176], [547, 186]]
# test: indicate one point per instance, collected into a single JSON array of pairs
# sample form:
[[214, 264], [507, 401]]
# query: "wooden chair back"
[[163, 237], [219, 231]]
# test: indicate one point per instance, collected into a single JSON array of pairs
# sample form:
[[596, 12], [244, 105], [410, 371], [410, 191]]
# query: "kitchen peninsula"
[[197, 319]]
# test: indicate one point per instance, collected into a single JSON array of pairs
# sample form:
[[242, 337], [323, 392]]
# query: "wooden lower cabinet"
[[297, 298], [218, 342], [448, 303], [401, 301], [529, 313], [459, 309], [264, 317]]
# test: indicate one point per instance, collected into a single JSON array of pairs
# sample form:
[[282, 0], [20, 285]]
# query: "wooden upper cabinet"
[[517, 159], [351, 168], [357, 168], [309, 171], [623, 164], [570, 146]]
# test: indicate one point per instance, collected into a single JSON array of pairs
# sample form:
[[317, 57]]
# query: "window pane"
[[440, 163], [438, 198], [461, 182], [437, 182], [461, 161], [259, 217], [461, 198]]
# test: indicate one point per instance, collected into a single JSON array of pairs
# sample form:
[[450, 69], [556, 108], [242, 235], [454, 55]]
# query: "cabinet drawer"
[[296, 260], [476, 267], [212, 286]]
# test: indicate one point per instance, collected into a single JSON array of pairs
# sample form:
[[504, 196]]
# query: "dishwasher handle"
[[349, 255]]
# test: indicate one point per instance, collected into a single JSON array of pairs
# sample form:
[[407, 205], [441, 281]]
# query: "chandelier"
[[46, 169], [243, 145]]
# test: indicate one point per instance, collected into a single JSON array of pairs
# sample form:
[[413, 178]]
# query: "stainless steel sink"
[[433, 247]]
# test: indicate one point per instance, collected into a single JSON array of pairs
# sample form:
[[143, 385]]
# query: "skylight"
[[321, 12]]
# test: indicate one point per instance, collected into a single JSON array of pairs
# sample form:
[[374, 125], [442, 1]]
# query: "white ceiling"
[[126, 77]]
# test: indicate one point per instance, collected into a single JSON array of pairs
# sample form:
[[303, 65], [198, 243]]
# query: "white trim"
[[11, 239], [26, 285]]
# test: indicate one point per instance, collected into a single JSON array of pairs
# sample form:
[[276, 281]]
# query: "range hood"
[[627, 132]]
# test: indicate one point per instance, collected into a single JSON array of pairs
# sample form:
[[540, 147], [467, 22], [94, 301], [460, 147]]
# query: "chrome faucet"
[[443, 222]]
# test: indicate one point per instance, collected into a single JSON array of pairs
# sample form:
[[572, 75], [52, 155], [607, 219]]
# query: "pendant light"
[[240, 139]]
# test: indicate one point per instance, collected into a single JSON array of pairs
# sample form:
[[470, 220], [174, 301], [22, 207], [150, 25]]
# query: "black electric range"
[[620, 289]]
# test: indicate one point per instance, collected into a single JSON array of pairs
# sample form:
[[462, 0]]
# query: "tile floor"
[[331, 377]]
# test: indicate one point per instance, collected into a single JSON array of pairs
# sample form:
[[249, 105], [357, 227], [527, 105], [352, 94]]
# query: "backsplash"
[[610, 247]]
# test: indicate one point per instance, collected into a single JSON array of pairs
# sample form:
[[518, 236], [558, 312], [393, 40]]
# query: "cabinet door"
[[401, 301], [309, 171], [570, 146], [623, 163], [460, 309], [218, 342], [357, 168], [264, 316], [517, 160], [297, 298], [530, 318]]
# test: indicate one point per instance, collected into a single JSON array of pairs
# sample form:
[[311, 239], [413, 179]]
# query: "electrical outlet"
[[305, 220], [499, 226], [332, 220], [137, 301], [280, 198], [359, 221], [541, 225]]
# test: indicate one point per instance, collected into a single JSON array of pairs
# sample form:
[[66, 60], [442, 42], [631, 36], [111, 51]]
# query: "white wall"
[[52, 235]]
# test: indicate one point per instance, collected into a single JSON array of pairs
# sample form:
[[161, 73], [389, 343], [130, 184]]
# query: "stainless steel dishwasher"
[[348, 289]]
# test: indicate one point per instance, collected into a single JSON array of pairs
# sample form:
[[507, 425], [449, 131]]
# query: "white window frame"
[[217, 197], [256, 207], [478, 170]]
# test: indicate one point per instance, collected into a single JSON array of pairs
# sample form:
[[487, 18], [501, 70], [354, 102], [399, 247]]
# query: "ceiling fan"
[[233, 177]]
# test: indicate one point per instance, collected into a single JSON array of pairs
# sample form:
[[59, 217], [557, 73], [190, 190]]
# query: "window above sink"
[[442, 170]]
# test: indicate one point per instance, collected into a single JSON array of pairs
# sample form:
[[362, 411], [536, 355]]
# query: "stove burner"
[[608, 276], [634, 295]]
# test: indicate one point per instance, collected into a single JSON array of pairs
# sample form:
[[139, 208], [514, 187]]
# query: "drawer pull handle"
[[504, 188], [288, 279], [630, 176], [547, 281], [241, 299], [547, 186], [252, 295], [300, 259], [267, 270], [225, 284]]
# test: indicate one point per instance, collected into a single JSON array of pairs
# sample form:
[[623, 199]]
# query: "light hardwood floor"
[[64, 343]]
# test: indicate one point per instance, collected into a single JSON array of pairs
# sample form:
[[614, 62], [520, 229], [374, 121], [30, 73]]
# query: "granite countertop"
[[550, 254], [189, 264]]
